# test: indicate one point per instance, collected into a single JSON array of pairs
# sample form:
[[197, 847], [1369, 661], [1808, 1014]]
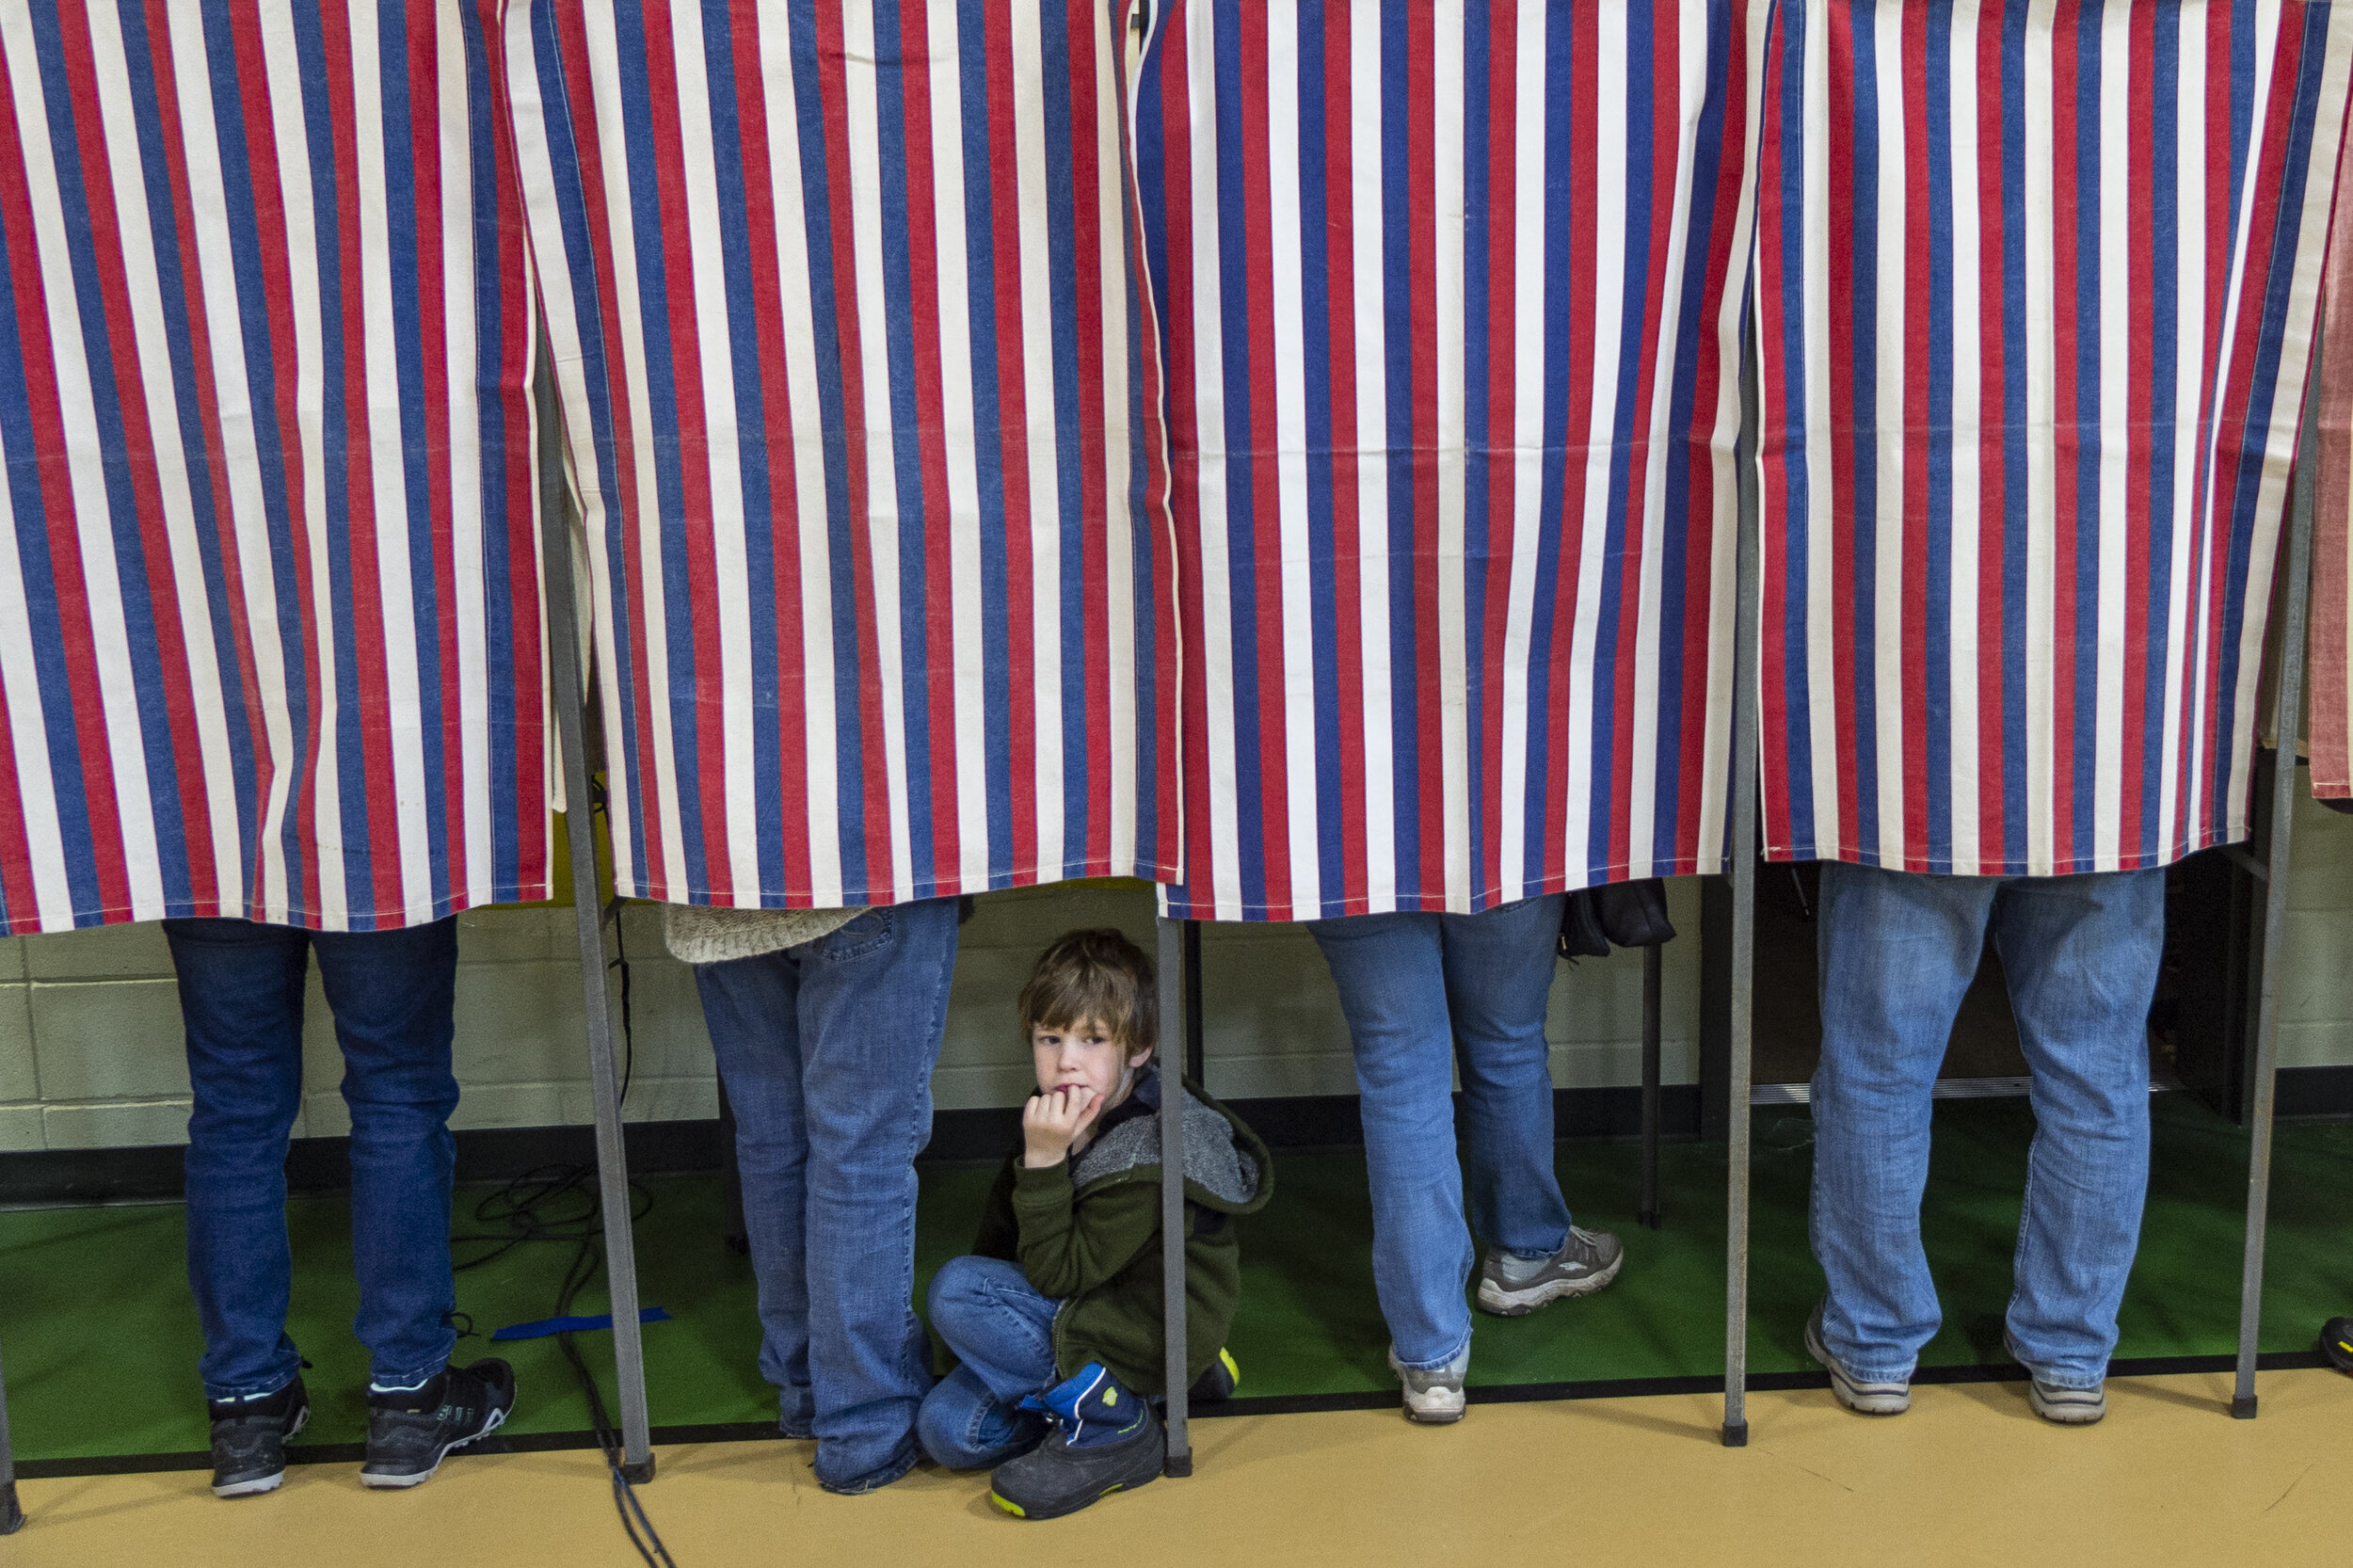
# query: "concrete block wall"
[[90, 1050], [90, 1045], [2316, 968]]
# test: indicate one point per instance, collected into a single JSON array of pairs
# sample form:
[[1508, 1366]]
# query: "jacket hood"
[[1227, 1167]]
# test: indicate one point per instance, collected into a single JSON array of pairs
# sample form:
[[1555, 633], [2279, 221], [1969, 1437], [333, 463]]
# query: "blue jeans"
[[826, 1051], [1897, 951], [1424, 994], [392, 992], [1002, 1333]]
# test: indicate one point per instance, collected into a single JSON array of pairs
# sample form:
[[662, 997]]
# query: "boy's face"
[[1085, 1055]]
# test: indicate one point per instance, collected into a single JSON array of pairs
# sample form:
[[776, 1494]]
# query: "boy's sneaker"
[[1105, 1440], [2068, 1407], [410, 1433], [1863, 1396], [2336, 1343], [1218, 1383], [1434, 1398], [1511, 1286], [249, 1438]]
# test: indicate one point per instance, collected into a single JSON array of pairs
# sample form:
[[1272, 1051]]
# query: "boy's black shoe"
[[2336, 1343], [1218, 1383], [410, 1433], [249, 1438], [1105, 1440]]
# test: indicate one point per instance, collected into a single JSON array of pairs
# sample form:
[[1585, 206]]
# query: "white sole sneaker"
[[1863, 1397], [1430, 1404], [1505, 1302], [2065, 1407]]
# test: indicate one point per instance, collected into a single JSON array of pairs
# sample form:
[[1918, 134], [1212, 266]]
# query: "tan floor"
[[1969, 1477]]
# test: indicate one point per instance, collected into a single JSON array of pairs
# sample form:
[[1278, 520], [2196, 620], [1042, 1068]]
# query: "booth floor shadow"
[[100, 1339]]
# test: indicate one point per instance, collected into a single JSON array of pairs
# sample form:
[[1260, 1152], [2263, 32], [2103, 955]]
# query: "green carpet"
[[101, 1341]]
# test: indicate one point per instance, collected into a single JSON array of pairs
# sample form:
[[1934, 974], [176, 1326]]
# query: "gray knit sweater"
[[698, 934]]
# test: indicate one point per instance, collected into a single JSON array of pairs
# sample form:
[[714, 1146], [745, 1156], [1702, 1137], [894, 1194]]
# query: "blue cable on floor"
[[548, 1326]]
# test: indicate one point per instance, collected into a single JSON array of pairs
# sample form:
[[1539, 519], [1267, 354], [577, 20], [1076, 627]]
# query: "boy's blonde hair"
[[1097, 975]]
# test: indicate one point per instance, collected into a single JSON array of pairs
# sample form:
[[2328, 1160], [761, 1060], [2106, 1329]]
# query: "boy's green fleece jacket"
[[1088, 1234]]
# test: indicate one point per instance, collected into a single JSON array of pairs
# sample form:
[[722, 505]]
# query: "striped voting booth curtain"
[[2330, 726], [1450, 297], [842, 309], [2036, 287], [269, 612]]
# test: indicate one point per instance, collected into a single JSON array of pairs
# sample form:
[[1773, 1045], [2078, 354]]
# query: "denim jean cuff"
[[377, 1378], [216, 1393], [898, 1464], [1447, 1360], [1876, 1374]]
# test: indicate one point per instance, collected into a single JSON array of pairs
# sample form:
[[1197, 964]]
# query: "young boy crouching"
[[1055, 1319]]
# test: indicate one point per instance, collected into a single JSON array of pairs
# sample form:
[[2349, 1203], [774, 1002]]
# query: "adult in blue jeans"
[[392, 995], [826, 1025], [1898, 950], [1425, 994]]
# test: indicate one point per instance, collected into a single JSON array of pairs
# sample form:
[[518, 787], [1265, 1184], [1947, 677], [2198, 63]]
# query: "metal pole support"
[[1742, 853], [11, 1516], [2288, 715], [1653, 967], [571, 697], [1196, 1065], [1174, 1026]]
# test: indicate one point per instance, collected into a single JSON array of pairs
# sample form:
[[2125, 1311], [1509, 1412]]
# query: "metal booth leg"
[[11, 1516], [2289, 714], [1197, 1068], [1742, 853], [1653, 967], [1174, 939], [571, 695]]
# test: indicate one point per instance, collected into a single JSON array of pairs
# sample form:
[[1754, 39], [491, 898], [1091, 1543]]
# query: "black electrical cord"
[[560, 1203]]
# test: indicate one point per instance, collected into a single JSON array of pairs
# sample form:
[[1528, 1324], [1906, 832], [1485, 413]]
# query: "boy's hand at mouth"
[[1055, 1119]]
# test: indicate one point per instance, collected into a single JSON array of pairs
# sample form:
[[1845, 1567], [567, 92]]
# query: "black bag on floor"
[[1617, 914]]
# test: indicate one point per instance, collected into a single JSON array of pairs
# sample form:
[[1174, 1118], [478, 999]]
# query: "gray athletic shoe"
[[1510, 1288], [1862, 1396], [1434, 1398], [2065, 1407]]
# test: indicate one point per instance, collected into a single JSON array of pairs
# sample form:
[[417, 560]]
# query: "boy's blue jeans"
[[826, 1051], [1424, 994], [1898, 952], [1002, 1333], [393, 993]]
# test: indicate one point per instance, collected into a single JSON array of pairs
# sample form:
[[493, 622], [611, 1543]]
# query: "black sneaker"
[[1105, 1440], [410, 1434], [2336, 1343], [1217, 1384], [249, 1438]]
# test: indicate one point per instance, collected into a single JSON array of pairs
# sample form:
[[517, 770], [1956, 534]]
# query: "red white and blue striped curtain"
[[1450, 293], [2330, 729], [842, 309], [269, 613], [2037, 286]]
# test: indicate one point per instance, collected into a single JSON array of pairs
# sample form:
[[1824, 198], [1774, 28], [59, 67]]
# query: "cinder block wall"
[[90, 1045], [2316, 968]]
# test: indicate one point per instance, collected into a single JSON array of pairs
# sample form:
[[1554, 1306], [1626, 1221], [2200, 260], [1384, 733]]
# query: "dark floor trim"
[[1273, 1405], [672, 1148], [2315, 1092]]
